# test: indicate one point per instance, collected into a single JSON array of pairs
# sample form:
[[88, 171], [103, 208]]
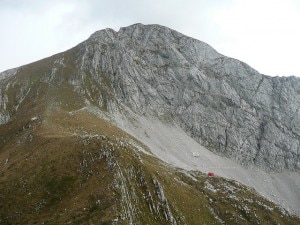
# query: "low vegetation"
[[75, 168]]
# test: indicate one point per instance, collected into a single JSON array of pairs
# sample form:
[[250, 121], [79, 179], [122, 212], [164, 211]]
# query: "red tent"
[[211, 174]]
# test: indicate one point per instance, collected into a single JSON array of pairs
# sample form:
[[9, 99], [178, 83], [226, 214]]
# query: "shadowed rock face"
[[221, 102]]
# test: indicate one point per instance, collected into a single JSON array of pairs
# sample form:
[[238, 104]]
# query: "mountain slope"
[[76, 168], [164, 93], [221, 102]]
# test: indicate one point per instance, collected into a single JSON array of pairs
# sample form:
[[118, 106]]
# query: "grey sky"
[[263, 33]]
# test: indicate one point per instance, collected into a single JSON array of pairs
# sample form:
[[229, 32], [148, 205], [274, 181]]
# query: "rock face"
[[221, 102]]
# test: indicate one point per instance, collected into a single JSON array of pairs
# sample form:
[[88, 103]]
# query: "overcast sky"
[[263, 33]]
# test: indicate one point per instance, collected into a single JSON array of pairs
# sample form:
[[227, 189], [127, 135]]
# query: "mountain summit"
[[121, 126]]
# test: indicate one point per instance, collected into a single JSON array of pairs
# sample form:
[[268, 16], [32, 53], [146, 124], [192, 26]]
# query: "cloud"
[[264, 34]]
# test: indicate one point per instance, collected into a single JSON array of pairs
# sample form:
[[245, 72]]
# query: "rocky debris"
[[33, 119], [8, 73], [12, 94], [210, 187], [163, 205]]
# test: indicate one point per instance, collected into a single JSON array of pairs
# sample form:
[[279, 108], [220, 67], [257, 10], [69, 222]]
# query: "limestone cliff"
[[221, 102]]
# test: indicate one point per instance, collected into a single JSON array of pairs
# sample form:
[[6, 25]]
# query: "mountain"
[[122, 129]]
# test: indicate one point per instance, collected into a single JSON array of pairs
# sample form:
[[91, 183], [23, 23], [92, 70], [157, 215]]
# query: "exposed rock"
[[221, 102]]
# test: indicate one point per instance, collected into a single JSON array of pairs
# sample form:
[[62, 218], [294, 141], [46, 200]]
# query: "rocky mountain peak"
[[146, 36], [146, 93], [221, 102], [103, 34]]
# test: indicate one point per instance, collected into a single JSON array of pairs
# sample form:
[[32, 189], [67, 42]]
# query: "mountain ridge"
[[144, 75]]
